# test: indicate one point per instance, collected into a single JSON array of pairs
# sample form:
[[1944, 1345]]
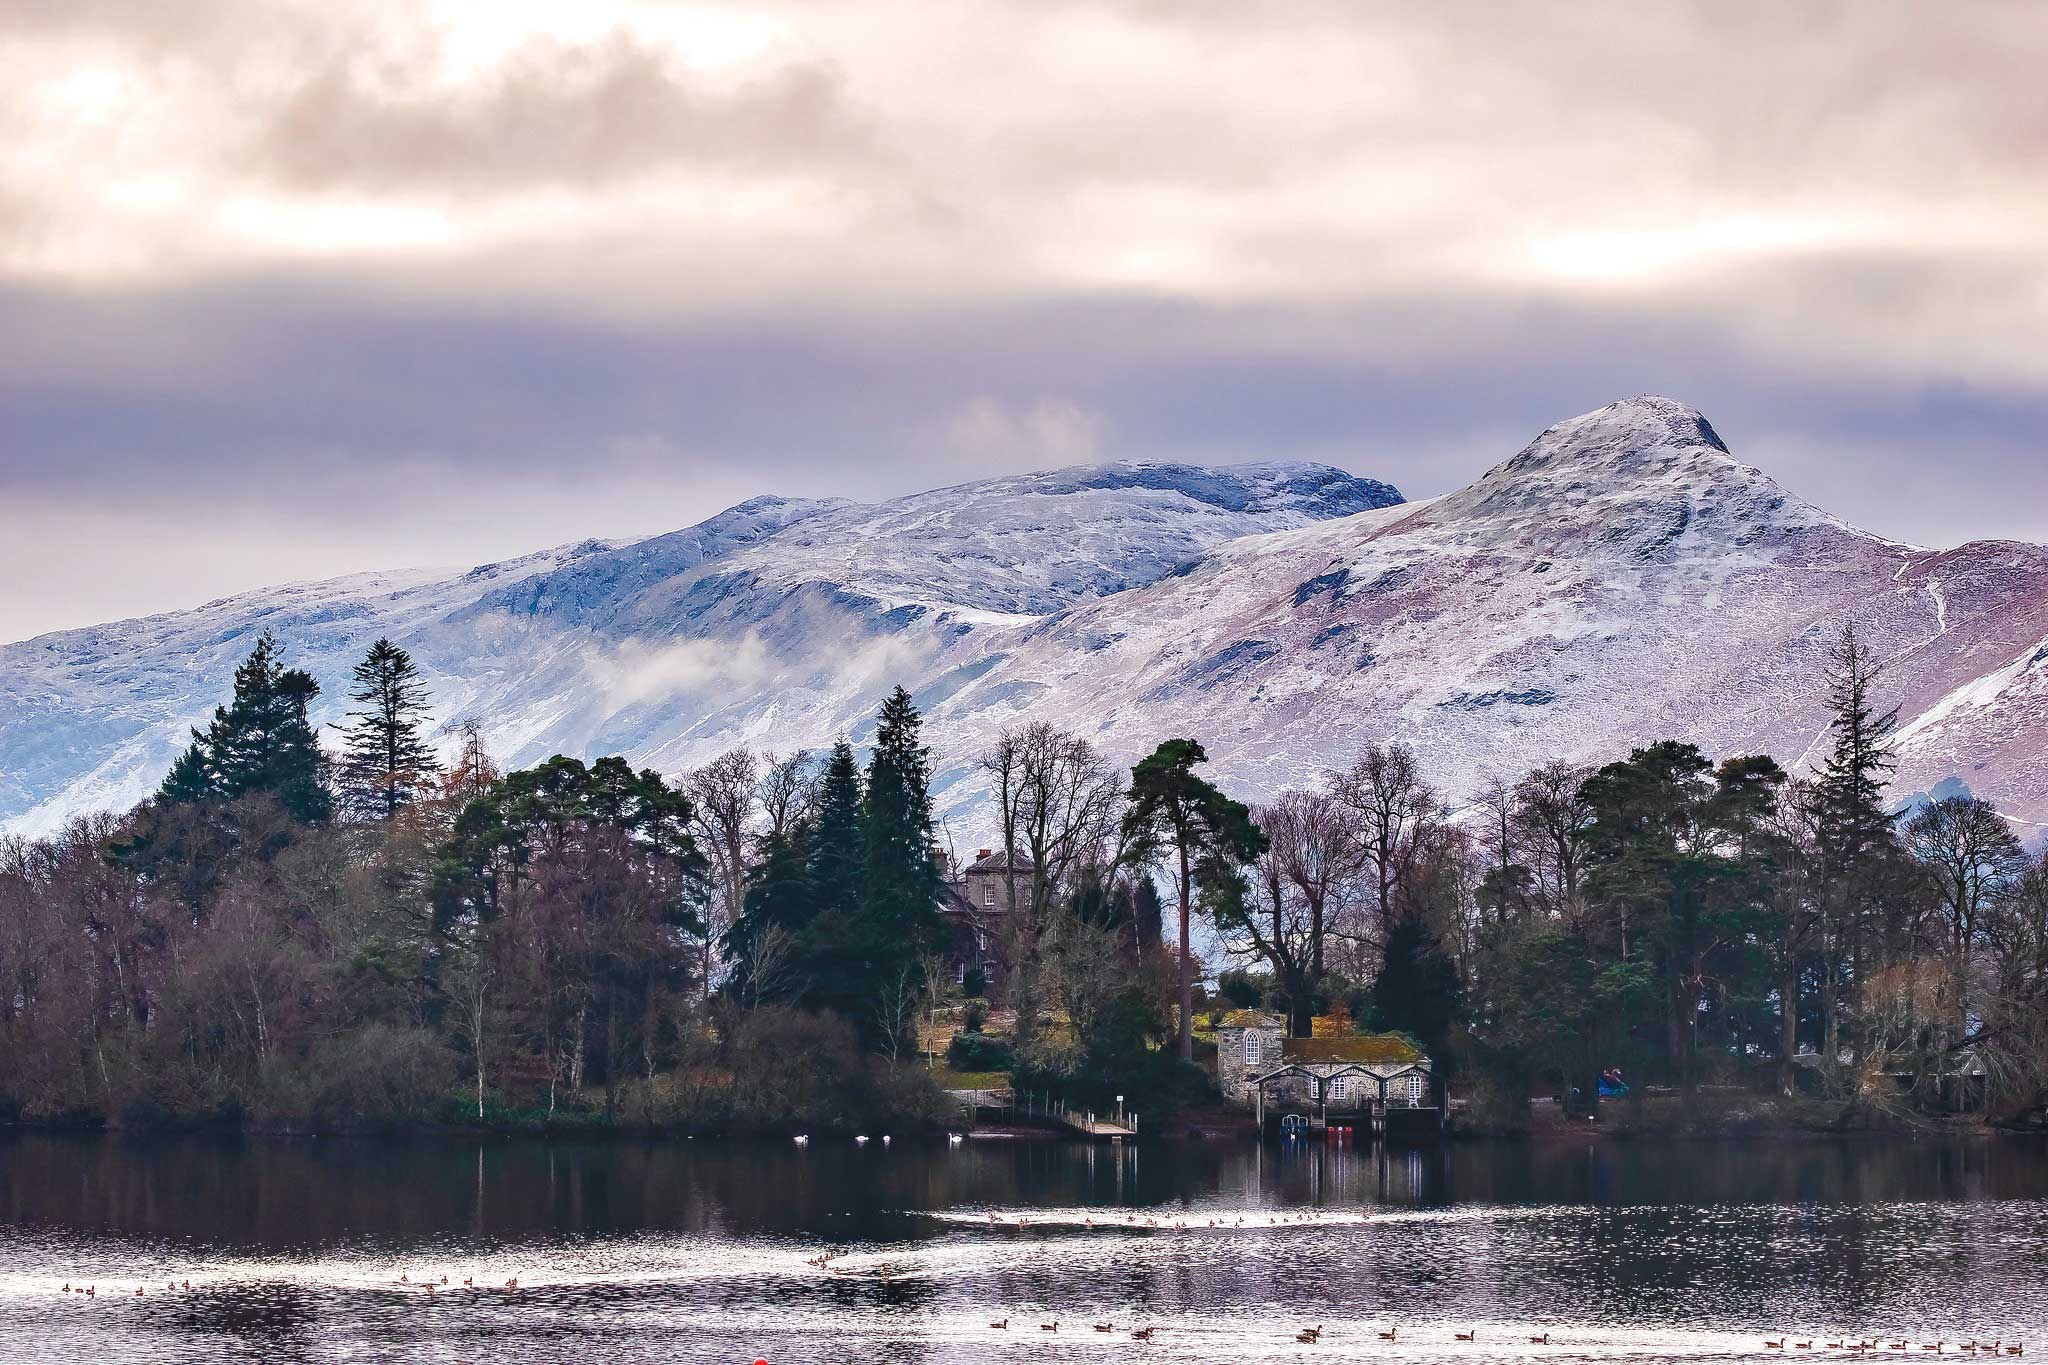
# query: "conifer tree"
[[1854, 840], [259, 744], [1211, 838], [900, 884], [833, 861], [386, 763]]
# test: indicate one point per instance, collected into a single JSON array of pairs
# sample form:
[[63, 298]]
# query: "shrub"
[[979, 1052]]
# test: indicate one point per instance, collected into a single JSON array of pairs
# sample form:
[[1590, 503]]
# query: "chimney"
[[983, 853]]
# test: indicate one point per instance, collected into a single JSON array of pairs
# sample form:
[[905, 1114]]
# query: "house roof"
[[1372, 1049], [987, 861], [1252, 1019]]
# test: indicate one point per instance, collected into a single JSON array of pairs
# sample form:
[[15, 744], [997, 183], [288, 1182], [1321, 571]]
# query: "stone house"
[[975, 907], [1260, 1067]]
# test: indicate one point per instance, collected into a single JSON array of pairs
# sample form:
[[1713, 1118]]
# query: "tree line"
[[356, 932]]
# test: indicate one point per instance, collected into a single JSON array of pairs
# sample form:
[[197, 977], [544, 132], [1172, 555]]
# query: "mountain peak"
[[1628, 433]]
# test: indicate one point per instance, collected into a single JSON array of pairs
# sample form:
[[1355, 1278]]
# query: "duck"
[[1142, 1333], [1002, 1326], [512, 1283], [1105, 1327]]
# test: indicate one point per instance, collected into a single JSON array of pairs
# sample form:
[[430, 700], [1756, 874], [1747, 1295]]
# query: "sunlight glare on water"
[[631, 1252]]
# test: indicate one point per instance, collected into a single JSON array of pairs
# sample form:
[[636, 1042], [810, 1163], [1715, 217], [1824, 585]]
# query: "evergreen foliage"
[[386, 763], [259, 744], [1172, 812]]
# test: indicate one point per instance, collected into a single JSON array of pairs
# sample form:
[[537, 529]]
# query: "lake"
[[317, 1250]]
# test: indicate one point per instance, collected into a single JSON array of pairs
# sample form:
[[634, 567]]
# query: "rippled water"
[[316, 1251]]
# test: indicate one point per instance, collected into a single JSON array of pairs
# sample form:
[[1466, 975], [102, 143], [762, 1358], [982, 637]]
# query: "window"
[[1251, 1048], [1411, 1088], [1340, 1089], [988, 895]]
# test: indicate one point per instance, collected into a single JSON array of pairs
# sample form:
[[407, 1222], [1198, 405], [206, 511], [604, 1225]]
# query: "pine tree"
[[1854, 840], [260, 744], [900, 881], [386, 763], [833, 858], [1210, 837]]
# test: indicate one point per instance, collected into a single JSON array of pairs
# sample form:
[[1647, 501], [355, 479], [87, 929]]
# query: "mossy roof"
[[1372, 1049]]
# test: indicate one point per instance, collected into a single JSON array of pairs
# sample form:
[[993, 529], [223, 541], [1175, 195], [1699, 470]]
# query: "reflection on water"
[[321, 1251]]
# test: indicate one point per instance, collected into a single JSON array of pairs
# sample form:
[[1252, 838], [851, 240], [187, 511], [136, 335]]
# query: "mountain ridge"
[[1622, 578]]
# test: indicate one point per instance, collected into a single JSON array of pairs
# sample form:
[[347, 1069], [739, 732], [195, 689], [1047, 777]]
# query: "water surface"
[[624, 1251]]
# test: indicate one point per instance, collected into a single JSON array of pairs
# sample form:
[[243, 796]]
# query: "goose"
[[2018, 1350], [1936, 1347], [138, 1291], [1388, 1335], [1052, 1326], [512, 1283], [1802, 1346], [1105, 1327], [1834, 1346], [1142, 1333], [1777, 1345], [469, 1281], [1002, 1326], [67, 1286], [1472, 1335], [1898, 1346], [1543, 1340]]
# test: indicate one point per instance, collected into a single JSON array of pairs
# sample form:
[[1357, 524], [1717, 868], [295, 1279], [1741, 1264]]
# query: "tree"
[[1211, 838], [1056, 803], [1313, 855], [1396, 811], [898, 920], [1418, 991], [385, 764], [1976, 866], [722, 804], [259, 744], [1854, 839]]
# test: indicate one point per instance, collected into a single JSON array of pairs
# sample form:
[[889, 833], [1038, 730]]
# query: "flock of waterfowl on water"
[[1849, 1347]]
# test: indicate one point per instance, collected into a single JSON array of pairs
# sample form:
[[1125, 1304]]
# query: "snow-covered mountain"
[[778, 622], [1621, 579]]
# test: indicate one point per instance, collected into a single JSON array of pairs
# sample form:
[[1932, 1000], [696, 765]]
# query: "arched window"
[[1252, 1045], [1340, 1089]]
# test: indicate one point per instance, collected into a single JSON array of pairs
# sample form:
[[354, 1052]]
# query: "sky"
[[294, 289]]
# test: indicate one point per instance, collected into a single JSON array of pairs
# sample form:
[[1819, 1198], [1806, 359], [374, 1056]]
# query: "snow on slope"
[[778, 622], [1622, 579]]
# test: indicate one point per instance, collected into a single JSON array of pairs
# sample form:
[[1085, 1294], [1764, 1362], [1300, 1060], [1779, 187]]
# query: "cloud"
[[547, 114], [1051, 431], [633, 672], [516, 273]]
